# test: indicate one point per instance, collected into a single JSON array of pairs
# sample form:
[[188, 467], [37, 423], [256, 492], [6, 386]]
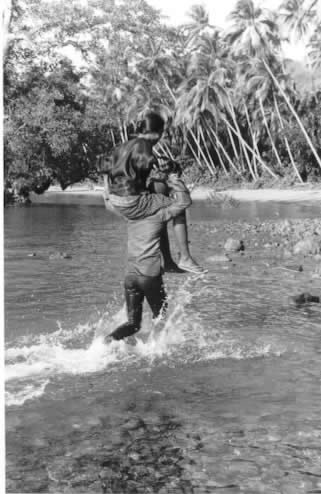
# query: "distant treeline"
[[78, 76]]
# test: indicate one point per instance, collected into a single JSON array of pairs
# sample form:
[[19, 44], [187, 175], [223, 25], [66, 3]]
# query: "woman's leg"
[[186, 262], [134, 296], [169, 264], [181, 236]]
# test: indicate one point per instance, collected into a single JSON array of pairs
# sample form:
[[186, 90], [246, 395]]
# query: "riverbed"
[[222, 396]]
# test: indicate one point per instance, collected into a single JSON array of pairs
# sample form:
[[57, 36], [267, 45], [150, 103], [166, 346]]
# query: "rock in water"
[[307, 246], [219, 258], [317, 272], [305, 298], [60, 255], [287, 254], [234, 245]]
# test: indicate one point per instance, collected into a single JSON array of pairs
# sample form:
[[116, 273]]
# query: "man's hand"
[[174, 182], [174, 177], [103, 164]]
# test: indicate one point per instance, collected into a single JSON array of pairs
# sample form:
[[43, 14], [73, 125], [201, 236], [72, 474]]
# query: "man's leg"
[[155, 294], [134, 301]]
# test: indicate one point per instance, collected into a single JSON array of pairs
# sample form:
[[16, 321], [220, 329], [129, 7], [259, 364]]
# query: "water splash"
[[34, 361]]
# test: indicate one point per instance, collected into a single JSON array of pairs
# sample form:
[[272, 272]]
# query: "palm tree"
[[254, 30], [298, 16], [155, 62], [296, 116], [203, 91], [199, 22], [315, 46], [202, 95]]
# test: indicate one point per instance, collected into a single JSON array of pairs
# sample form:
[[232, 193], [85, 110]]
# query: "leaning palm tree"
[[253, 30], [259, 91], [314, 46], [157, 64], [199, 22], [202, 95], [203, 90], [296, 116], [298, 16]]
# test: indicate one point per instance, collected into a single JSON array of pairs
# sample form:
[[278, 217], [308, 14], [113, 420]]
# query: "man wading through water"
[[145, 203]]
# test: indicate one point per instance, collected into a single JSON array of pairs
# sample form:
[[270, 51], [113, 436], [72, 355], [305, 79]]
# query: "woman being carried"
[[129, 182]]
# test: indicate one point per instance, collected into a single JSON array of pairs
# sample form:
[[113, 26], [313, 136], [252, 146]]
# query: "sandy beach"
[[304, 193]]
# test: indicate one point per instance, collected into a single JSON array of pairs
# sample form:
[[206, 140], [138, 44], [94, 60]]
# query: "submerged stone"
[[307, 246], [287, 254], [59, 255], [219, 258], [234, 245], [305, 298]]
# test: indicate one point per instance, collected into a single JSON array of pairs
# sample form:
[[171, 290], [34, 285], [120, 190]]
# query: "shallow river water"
[[223, 396]]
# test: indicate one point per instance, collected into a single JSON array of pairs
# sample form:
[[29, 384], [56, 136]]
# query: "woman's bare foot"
[[172, 267], [191, 266]]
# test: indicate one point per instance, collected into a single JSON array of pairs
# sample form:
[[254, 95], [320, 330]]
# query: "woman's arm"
[[108, 204], [180, 198]]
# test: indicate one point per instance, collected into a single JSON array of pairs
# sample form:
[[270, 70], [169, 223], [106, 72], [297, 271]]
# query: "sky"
[[218, 10]]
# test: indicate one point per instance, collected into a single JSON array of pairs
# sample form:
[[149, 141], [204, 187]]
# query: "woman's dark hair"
[[153, 123], [169, 166]]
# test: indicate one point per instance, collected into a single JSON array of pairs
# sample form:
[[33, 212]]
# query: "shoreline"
[[203, 193]]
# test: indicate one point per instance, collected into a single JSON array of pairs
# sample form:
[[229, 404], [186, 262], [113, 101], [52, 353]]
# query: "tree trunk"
[[7, 16], [237, 132], [221, 160], [122, 137], [168, 151], [252, 133], [125, 132], [250, 149], [287, 142], [317, 157], [202, 154], [241, 140], [207, 150], [113, 137], [269, 134], [237, 156], [224, 151]]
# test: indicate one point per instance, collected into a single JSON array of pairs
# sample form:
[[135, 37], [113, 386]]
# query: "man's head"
[[153, 125]]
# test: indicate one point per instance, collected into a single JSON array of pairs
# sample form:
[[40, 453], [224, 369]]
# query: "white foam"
[[181, 337], [28, 392]]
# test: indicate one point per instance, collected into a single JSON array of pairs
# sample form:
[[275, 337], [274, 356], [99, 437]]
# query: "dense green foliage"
[[80, 74]]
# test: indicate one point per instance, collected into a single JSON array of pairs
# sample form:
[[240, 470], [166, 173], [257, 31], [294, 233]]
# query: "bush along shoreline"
[[203, 189]]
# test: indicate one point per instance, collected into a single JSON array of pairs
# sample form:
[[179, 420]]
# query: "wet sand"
[[304, 193]]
